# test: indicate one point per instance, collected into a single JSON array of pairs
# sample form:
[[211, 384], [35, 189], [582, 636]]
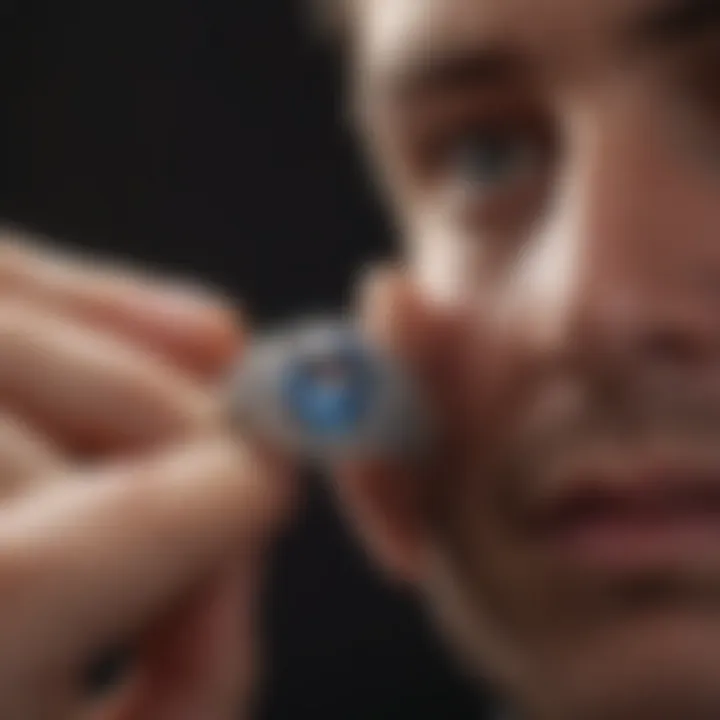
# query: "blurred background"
[[206, 137]]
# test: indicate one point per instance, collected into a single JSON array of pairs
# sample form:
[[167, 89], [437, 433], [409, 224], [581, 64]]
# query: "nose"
[[645, 331], [623, 272]]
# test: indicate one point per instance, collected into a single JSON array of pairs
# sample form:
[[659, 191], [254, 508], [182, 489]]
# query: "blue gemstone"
[[329, 396]]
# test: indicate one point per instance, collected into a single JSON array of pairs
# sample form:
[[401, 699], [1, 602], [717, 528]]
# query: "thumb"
[[440, 344], [388, 500], [393, 314]]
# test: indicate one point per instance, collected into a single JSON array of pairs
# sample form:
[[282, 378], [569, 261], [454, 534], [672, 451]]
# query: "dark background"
[[206, 137]]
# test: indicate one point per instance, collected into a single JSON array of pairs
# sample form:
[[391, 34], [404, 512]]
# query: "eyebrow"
[[675, 22], [441, 72]]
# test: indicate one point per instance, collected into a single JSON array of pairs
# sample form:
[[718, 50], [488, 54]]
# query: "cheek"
[[698, 212], [473, 532], [485, 595], [447, 264]]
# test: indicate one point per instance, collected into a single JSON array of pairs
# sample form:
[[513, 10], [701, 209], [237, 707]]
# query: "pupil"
[[488, 160]]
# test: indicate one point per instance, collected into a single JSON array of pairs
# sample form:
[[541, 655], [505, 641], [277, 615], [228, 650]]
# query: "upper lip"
[[661, 482]]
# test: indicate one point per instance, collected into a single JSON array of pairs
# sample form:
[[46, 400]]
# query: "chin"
[[596, 654], [665, 667], [662, 665]]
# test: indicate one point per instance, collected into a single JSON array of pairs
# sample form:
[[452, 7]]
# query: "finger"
[[441, 346], [201, 662], [192, 328], [90, 390], [27, 458], [385, 503], [85, 565]]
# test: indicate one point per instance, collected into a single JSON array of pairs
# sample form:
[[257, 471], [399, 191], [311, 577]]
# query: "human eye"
[[490, 160], [485, 160], [498, 171]]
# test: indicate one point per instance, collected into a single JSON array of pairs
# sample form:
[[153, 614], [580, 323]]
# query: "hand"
[[444, 346], [129, 512]]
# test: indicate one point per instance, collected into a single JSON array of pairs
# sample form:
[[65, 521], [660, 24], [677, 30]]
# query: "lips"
[[632, 513]]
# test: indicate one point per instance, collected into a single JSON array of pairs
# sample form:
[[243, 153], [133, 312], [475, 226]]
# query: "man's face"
[[557, 162]]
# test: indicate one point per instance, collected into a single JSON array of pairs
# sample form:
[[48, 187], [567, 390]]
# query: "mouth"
[[632, 514]]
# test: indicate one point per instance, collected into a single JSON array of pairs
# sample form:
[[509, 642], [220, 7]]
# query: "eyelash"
[[505, 178], [485, 152]]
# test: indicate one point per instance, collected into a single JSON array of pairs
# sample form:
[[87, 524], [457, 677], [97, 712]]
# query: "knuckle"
[[13, 258], [16, 577], [19, 255], [18, 319]]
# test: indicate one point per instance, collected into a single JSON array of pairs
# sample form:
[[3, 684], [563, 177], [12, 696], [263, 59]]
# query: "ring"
[[320, 390]]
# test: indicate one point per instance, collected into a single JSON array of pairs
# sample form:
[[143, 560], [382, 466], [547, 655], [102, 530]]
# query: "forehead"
[[396, 34]]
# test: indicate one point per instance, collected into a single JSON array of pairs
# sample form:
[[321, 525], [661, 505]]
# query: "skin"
[[560, 309], [130, 513], [557, 308]]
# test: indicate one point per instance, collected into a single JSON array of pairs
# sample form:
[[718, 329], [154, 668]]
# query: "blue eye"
[[493, 161]]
